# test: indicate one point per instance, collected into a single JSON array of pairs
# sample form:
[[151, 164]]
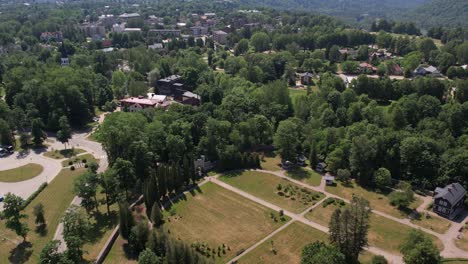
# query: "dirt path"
[[395, 259]]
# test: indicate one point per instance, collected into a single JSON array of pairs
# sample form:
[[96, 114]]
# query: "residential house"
[[367, 68], [163, 33], [118, 28], [64, 62], [168, 85], [449, 199], [188, 98], [198, 31], [220, 37], [129, 30], [94, 31], [126, 17], [427, 71], [306, 78], [107, 20], [135, 104], [156, 46], [395, 70], [51, 36]]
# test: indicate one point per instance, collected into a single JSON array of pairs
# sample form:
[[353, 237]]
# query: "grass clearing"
[[61, 187], [271, 162], [291, 197], [22, 173], [117, 254], [216, 216], [63, 153], [378, 201], [288, 246], [432, 222], [383, 232], [305, 175], [88, 157]]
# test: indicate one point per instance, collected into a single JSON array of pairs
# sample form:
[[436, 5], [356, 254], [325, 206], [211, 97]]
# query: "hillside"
[[352, 10], [440, 13]]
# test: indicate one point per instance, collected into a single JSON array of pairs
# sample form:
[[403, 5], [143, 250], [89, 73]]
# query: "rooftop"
[[452, 192]]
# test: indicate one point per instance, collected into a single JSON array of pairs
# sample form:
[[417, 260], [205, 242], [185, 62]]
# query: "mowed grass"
[[217, 216], [432, 222], [56, 198], [117, 254], [463, 242], [271, 162], [88, 157], [102, 226], [264, 186], [288, 245], [63, 153], [378, 201], [305, 175], [383, 232], [22, 173]]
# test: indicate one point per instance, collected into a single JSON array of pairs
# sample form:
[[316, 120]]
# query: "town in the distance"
[[234, 131]]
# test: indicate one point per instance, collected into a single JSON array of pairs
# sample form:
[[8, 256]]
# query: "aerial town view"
[[234, 131]]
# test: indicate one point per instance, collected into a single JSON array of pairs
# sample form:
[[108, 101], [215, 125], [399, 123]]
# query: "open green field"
[[271, 162], [291, 197], [455, 261], [296, 92], [63, 153], [378, 201], [305, 175], [288, 245], [432, 222], [22, 173], [54, 208], [383, 232], [216, 216]]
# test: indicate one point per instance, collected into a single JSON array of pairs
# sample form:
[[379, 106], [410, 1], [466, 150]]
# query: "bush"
[[34, 195], [70, 162], [379, 260], [328, 201], [72, 168], [86, 165], [83, 160]]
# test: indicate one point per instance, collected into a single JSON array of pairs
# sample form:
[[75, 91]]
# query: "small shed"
[[329, 180]]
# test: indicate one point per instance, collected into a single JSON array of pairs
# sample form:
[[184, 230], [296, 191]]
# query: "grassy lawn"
[[288, 246], [216, 216], [433, 222], [305, 175], [378, 201], [117, 254], [22, 173], [263, 185], [271, 162], [56, 198], [88, 157], [102, 226], [455, 261], [296, 92], [463, 243], [383, 233], [63, 153]]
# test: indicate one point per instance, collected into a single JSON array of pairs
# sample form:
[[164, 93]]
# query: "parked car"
[[286, 165], [1, 198], [3, 152]]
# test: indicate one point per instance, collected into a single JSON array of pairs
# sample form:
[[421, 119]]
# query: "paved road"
[[25, 188]]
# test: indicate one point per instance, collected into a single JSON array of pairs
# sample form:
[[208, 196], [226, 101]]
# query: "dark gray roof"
[[452, 192]]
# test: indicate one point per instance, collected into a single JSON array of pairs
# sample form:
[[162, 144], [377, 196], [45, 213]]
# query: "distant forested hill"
[[440, 13], [347, 9]]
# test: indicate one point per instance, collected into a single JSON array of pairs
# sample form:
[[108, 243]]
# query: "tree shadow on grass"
[[41, 230], [103, 222], [21, 253], [299, 173]]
